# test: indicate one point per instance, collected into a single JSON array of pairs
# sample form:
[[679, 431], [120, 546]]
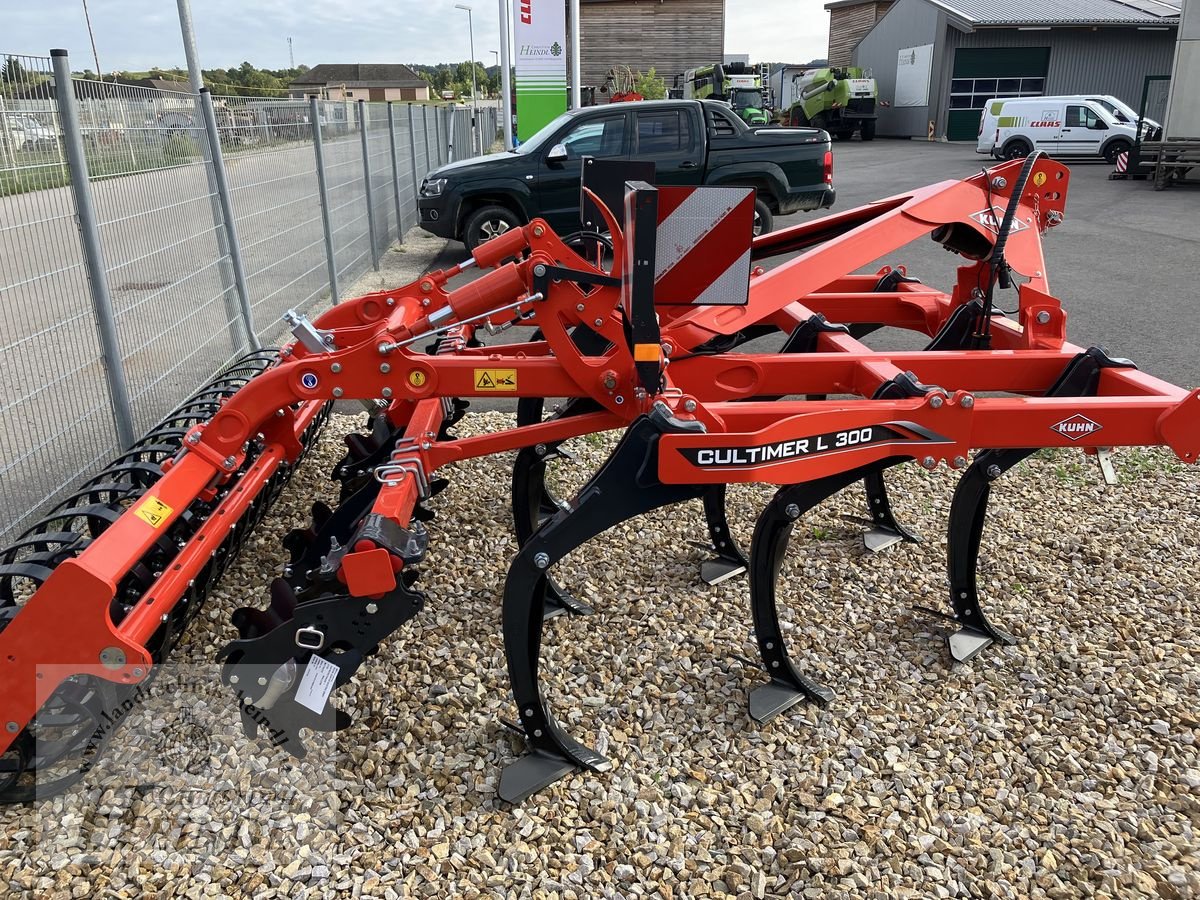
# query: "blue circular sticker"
[[309, 380]]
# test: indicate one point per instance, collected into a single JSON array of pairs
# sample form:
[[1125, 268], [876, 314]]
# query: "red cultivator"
[[128, 560]]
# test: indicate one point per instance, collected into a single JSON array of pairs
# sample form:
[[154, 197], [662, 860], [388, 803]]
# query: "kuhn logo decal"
[[1075, 427], [797, 448], [991, 219]]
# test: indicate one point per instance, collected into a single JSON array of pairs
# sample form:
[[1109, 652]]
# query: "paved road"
[[1125, 262]]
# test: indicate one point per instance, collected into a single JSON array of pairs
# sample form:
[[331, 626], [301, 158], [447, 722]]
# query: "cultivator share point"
[[104, 585]]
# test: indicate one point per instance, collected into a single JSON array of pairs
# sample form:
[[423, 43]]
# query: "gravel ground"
[[1064, 766]]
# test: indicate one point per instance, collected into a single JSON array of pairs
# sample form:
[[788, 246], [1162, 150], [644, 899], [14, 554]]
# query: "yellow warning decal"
[[495, 379], [417, 378], [1039, 178], [152, 511]]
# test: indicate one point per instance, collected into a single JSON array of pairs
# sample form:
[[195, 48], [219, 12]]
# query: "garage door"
[[983, 73]]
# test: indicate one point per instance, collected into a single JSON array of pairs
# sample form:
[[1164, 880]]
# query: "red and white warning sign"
[[702, 247]]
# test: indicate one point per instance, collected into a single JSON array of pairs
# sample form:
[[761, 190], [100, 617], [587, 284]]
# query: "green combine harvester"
[[839, 100], [736, 83]]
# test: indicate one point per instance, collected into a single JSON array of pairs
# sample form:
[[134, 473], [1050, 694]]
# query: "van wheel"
[[764, 221], [1113, 149], [1016, 150], [486, 223]]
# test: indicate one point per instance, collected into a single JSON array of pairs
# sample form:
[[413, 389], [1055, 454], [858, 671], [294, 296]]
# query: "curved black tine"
[[532, 505], [884, 530], [965, 532], [772, 533], [728, 560], [625, 486], [1080, 378]]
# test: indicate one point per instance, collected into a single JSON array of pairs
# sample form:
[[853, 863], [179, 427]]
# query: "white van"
[[1011, 129], [1119, 109]]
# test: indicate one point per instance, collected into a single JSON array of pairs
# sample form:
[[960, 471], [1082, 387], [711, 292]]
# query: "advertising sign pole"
[[540, 32]]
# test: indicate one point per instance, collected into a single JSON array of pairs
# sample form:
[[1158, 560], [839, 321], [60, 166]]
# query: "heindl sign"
[[540, 36]]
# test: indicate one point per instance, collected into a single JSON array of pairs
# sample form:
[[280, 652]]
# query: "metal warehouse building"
[[670, 35], [936, 62]]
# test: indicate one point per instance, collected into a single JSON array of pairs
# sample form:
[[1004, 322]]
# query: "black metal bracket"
[[641, 231], [409, 544], [889, 281], [544, 273], [339, 628]]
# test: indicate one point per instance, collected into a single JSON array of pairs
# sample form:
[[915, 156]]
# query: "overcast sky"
[[140, 34]]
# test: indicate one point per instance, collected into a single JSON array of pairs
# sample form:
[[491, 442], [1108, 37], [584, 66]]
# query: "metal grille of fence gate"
[[168, 259]]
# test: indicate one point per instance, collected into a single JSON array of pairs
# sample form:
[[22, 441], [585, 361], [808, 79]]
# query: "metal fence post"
[[362, 133], [395, 173], [437, 136], [323, 193], [93, 251], [412, 156], [429, 157], [227, 220]]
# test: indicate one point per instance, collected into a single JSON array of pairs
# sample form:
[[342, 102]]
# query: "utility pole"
[[474, 84], [291, 54], [576, 100]]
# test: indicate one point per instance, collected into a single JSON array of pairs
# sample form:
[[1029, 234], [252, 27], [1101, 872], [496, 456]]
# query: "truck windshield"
[[542, 135], [745, 98]]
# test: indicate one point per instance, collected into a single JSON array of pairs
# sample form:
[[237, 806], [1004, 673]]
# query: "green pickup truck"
[[690, 142]]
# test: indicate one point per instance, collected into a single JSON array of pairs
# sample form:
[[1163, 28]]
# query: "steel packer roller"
[[697, 415]]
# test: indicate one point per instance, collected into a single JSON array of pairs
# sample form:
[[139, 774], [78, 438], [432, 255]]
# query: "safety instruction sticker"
[[153, 511], [317, 684], [495, 379]]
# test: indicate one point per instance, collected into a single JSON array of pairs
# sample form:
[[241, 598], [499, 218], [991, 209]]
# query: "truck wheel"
[[1018, 149], [868, 130], [486, 223], [763, 220], [1113, 149]]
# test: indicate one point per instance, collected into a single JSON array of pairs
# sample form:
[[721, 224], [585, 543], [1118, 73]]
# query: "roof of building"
[[1063, 12], [362, 75], [1050, 12], [838, 4], [160, 84]]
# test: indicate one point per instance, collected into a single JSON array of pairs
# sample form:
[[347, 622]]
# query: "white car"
[[1013, 128], [21, 132]]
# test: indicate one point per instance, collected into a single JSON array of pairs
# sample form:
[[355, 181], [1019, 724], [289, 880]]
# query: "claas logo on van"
[[1048, 123]]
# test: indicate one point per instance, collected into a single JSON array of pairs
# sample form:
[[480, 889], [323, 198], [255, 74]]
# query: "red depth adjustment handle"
[[381, 550]]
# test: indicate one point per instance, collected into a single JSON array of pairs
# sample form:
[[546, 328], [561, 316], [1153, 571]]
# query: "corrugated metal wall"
[[909, 23], [671, 35], [1082, 61]]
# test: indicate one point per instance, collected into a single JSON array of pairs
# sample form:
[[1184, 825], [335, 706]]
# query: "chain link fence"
[[148, 237]]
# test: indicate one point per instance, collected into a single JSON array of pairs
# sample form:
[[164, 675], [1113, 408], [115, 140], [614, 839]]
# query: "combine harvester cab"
[[648, 347]]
